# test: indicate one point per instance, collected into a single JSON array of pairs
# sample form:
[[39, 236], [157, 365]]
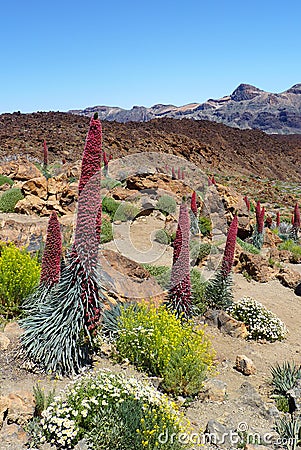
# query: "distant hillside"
[[246, 108], [214, 147]]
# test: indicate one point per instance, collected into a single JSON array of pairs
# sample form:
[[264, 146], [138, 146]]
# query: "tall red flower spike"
[[213, 180], [45, 154], [193, 204], [91, 163], [259, 217], [228, 257], [180, 290], [296, 217], [51, 261], [173, 174], [247, 202], [278, 219]]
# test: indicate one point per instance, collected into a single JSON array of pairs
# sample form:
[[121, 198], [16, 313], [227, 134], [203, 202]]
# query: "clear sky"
[[62, 54]]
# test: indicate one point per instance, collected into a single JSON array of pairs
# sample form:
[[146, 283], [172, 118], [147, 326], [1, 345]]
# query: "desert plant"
[[198, 286], [257, 238], [179, 295], [262, 323], [205, 225], [106, 160], [110, 206], [292, 247], [51, 261], [45, 154], [295, 223], [110, 325], [166, 204], [160, 273], [113, 413], [199, 250], [106, 231], [284, 377], [193, 204], [9, 199], [58, 337], [247, 202], [162, 237], [19, 276], [126, 211], [156, 341], [218, 291], [289, 430], [248, 247], [277, 219], [110, 183], [42, 400], [5, 180]]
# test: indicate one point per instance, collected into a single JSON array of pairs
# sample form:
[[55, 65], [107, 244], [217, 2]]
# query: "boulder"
[[36, 186], [4, 342], [20, 169], [245, 365], [226, 323], [13, 437], [235, 204], [256, 266], [30, 204], [270, 239], [289, 277], [214, 390]]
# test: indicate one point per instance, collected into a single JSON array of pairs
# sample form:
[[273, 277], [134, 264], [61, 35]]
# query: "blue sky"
[[61, 55]]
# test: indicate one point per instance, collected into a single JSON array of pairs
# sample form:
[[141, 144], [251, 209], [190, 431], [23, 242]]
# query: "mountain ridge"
[[248, 107]]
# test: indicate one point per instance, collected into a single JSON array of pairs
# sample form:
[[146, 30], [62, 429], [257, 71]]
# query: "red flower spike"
[[296, 217], [247, 202], [45, 154], [230, 248], [173, 174], [193, 204], [91, 163], [278, 219], [51, 261], [180, 291]]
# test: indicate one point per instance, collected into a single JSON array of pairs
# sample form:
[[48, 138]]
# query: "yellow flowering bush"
[[154, 340], [19, 275], [111, 412]]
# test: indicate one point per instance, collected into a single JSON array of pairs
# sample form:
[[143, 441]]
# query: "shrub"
[[167, 205], [9, 199], [199, 250], [110, 206], [162, 237], [126, 211], [262, 323], [106, 231], [5, 180], [292, 247], [247, 247], [205, 225], [113, 413], [198, 286], [289, 430], [161, 273], [110, 183], [154, 340], [19, 275]]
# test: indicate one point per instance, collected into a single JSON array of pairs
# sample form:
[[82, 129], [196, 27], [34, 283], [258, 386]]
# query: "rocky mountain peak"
[[296, 89], [245, 92]]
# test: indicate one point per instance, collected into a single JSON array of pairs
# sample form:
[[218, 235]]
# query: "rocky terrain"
[[246, 108], [215, 148]]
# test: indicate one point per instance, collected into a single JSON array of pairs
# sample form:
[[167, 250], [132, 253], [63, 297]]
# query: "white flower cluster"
[[57, 426], [262, 323], [61, 421]]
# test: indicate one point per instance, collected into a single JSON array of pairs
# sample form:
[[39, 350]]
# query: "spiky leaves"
[[58, 336], [295, 223], [51, 261], [218, 291], [180, 286], [257, 238]]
